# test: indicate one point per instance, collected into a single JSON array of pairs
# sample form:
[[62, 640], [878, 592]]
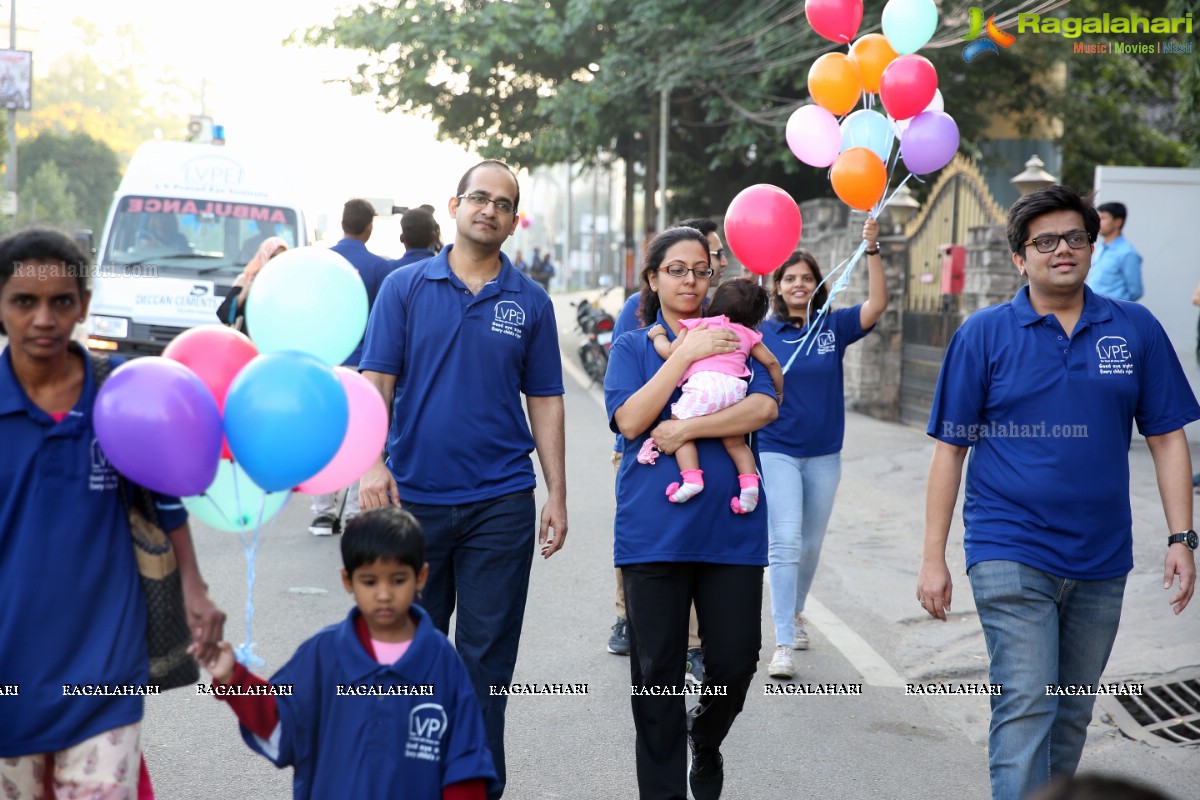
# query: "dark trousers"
[[729, 608], [479, 557]]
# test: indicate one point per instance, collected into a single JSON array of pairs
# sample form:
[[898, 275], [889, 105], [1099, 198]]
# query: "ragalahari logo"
[[995, 36]]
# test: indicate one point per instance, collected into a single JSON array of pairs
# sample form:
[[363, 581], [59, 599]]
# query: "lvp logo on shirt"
[[102, 477], [509, 318], [826, 342], [1114, 357], [426, 726]]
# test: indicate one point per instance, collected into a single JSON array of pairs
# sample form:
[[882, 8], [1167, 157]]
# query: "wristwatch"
[[1187, 537]]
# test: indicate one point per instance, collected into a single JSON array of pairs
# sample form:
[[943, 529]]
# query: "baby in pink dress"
[[717, 382]]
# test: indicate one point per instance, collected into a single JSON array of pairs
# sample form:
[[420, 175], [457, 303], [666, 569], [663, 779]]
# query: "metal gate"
[[958, 201]]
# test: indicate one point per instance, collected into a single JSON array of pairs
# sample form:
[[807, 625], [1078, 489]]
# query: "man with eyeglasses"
[[1116, 267], [627, 320], [1046, 388], [452, 343]]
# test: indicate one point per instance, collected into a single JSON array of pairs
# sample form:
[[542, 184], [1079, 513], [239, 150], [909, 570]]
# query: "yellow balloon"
[[834, 83]]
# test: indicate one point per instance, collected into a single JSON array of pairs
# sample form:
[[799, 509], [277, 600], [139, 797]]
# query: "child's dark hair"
[[384, 534], [742, 300]]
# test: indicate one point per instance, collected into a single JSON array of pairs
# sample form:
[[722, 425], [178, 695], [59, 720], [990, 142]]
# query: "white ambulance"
[[186, 218]]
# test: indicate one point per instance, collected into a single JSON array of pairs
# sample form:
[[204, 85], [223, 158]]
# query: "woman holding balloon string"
[[800, 452], [232, 311], [673, 555], [74, 607]]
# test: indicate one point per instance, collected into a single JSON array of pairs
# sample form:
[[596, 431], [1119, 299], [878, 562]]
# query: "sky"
[[271, 96]]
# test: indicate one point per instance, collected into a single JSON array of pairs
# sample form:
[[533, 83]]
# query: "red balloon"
[[836, 20], [216, 354], [762, 227], [907, 86]]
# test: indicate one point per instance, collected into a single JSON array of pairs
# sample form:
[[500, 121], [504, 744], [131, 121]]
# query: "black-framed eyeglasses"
[[481, 201], [717, 254], [1049, 242], [677, 269]]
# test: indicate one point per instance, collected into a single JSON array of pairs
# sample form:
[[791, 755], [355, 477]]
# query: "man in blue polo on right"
[[1046, 388]]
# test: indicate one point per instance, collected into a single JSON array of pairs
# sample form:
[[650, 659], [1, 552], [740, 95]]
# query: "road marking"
[[873, 667]]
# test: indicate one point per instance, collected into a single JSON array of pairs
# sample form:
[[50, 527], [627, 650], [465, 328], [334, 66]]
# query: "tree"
[[46, 200], [89, 168]]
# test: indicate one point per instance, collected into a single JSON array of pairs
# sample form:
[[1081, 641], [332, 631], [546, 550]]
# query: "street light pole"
[[10, 174], [664, 113]]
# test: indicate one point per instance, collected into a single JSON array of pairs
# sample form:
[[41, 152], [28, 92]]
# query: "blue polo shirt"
[[371, 268], [1048, 419], [362, 746], [812, 419], [412, 255], [459, 432], [648, 526], [71, 604], [1116, 270]]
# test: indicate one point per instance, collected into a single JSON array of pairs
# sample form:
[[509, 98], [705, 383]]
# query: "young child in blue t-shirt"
[[379, 705]]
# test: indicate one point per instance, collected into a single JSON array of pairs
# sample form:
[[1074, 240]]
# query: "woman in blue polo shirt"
[[672, 555], [72, 613], [801, 452]]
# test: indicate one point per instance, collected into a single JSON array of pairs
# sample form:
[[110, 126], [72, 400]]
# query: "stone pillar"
[[991, 276]]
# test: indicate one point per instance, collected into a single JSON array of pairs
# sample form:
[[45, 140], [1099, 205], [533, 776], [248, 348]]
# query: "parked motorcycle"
[[597, 325]]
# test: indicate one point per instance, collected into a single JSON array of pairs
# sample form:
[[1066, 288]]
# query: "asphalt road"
[[880, 744]]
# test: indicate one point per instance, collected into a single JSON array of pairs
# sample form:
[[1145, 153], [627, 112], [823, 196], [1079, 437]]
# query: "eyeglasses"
[[1049, 242], [677, 269], [481, 201], [717, 254]]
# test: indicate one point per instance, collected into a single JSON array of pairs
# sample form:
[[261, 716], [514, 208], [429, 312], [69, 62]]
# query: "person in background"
[[419, 235], [232, 310], [358, 223], [1116, 267], [387, 642], [801, 451], [627, 320], [74, 611], [520, 263], [1064, 373]]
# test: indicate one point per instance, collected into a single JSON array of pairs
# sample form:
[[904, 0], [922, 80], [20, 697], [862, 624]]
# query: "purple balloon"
[[929, 143], [159, 425]]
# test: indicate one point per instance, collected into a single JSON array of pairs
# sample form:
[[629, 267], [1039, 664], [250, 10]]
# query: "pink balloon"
[[929, 143], [216, 354], [762, 227], [363, 442], [836, 20], [907, 86], [813, 135]]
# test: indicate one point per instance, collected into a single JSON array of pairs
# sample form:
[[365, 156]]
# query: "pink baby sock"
[[693, 484], [747, 501]]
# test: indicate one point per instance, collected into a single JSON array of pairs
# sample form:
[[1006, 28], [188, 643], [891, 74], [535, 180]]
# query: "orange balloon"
[[834, 83], [872, 53], [859, 178]]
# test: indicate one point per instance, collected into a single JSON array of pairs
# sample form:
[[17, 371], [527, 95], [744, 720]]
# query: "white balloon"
[[936, 104]]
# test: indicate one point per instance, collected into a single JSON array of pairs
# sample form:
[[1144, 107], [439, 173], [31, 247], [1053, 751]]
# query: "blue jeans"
[[1041, 630], [479, 557], [801, 491]]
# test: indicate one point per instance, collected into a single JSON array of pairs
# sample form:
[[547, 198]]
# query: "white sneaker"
[[801, 640], [781, 663]]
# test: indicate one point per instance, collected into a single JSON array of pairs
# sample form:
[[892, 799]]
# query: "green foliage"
[[88, 167], [546, 81], [46, 199]]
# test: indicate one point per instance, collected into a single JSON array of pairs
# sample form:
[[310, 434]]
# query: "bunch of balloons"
[[857, 150], [232, 425]]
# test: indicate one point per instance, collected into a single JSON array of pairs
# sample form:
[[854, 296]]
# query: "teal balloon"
[[309, 300], [909, 24], [233, 502], [868, 129]]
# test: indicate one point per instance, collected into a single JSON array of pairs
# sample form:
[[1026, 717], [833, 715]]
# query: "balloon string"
[[845, 268], [245, 651], [220, 510]]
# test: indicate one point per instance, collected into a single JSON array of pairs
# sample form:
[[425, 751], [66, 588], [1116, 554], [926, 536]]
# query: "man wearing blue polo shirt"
[[1116, 267], [358, 223], [452, 344], [1045, 388]]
